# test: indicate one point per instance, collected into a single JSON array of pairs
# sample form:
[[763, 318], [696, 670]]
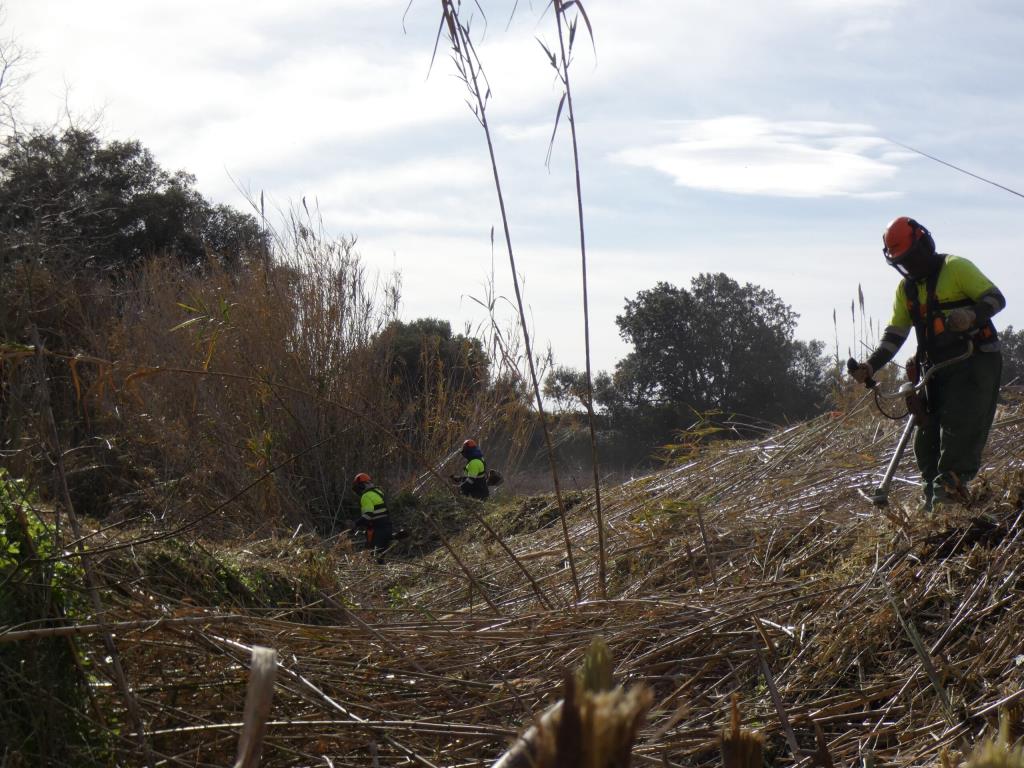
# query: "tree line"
[[105, 254], [720, 356], [70, 200]]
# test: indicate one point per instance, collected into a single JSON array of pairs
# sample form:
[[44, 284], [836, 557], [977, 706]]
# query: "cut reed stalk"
[[740, 748]]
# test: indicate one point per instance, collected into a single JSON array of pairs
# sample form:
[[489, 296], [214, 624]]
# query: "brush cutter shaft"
[[881, 494]]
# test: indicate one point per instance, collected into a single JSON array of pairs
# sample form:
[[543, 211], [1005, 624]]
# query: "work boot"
[[927, 489], [926, 499], [952, 489], [950, 510], [939, 505], [941, 499]]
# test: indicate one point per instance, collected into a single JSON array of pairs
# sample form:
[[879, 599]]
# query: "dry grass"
[[174, 390], [796, 586]]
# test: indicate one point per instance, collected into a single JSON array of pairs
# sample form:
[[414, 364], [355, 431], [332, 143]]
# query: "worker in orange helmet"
[[473, 480], [948, 302], [373, 516]]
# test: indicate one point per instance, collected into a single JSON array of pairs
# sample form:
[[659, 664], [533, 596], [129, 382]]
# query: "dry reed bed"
[[756, 569]]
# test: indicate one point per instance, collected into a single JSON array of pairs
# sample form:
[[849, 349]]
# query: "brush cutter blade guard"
[[880, 497]]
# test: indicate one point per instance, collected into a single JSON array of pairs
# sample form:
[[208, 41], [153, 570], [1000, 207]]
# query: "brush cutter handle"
[[938, 367], [852, 365], [912, 389]]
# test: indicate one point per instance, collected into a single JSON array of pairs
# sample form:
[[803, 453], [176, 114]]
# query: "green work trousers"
[[961, 406]]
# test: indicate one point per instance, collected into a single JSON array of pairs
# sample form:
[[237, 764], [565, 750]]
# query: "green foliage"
[[716, 346], [397, 595], [42, 710], [567, 388], [708, 362], [12, 543], [71, 201], [595, 674], [25, 539], [180, 571], [426, 350]]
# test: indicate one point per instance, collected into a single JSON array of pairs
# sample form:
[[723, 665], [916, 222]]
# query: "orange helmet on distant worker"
[[909, 248], [360, 480], [471, 443]]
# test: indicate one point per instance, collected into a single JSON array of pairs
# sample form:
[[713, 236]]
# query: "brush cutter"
[[359, 534], [912, 395]]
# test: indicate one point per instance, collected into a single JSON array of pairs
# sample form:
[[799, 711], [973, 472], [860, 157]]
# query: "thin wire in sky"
[[956, 168]]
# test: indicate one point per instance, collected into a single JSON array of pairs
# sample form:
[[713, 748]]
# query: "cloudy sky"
[[749, 137]]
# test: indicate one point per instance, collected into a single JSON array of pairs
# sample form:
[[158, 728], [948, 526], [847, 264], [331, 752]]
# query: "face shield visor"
[[916, 261], [896, 262]]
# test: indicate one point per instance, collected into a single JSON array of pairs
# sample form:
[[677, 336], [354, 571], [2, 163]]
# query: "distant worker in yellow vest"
[[473, 480], [947, 301], [373, 516]]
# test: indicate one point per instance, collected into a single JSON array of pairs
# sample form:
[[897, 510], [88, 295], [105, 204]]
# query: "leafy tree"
[[425, 351], [567, 387], [72, 201], [717, 346]]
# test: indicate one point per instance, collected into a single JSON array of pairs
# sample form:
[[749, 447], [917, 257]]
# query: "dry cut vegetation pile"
[[754, 569]]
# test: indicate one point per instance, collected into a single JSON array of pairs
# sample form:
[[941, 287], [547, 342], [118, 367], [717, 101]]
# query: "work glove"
[[960, 320], [862, 372]]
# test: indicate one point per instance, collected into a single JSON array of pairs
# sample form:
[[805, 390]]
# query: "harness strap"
[[928, 320]]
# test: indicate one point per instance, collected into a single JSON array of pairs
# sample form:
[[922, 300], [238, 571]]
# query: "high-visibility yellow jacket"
[[958, 284], [371, 505]]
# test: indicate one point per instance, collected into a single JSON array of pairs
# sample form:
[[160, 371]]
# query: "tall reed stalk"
[[561, 66], [470, 70]]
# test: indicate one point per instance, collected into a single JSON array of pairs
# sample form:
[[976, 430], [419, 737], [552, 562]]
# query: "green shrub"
[[42, 719]]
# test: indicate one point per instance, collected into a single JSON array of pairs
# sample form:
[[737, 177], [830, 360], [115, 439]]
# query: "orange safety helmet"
[[471, 443], [899, 236], [908, 247], [361, 479]]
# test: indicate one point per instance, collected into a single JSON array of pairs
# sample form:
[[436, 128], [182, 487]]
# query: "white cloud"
[[848, 5], [698, 44], [407, 179], [330, 100], [531, 132], [753, 156], [430, 194], [854, 31], [234, 84]]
